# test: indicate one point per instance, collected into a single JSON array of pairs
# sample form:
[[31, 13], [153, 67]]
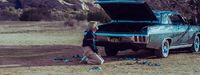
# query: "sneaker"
[[84, 59]]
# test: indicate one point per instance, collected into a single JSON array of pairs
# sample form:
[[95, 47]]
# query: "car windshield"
[[176, 19], [163, 17]]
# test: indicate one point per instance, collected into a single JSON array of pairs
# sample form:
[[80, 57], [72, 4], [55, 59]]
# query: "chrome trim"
[[138, 39], [180, 46], [119, 35]]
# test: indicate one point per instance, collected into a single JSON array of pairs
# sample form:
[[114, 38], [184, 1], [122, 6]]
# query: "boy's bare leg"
[[95, 59], [86, 51]]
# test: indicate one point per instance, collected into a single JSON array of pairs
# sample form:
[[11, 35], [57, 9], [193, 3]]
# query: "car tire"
[[163, 52], [110, 51], [196, 45]]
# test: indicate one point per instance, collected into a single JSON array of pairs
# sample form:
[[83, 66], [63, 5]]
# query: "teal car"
[[136, 26]]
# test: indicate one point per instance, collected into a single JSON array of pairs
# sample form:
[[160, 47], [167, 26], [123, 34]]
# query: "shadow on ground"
[[25, 56]]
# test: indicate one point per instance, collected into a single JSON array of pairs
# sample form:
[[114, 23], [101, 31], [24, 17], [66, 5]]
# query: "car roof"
[[119, 1]]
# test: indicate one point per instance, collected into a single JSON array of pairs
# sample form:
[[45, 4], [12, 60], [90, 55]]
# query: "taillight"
[[144, 39], [139, 39], [135, 38]]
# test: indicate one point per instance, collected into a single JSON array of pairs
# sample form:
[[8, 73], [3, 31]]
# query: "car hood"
[[134, 11]]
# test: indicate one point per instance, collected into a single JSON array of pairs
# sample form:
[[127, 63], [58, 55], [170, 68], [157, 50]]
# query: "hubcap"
[[196, 44], [165, 49]]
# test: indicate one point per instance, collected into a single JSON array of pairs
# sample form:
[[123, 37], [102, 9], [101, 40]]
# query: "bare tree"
[[194, 4]]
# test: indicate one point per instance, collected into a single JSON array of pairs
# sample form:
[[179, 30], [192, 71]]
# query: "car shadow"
[[123, 55], [180, 51], [142, 54]]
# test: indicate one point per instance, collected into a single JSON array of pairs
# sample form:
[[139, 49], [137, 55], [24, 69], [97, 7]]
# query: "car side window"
[[176, 20], [165, 19]]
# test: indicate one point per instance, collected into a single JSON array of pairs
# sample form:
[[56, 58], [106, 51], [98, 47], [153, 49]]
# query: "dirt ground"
[[18, 57], [39, 60]]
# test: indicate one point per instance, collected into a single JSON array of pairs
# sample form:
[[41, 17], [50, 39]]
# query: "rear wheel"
[[163, 52], [196, 45], [110, 51]]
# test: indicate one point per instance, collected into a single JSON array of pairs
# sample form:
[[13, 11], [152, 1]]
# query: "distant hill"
[[65, 9], [57, 4], [58, 9]]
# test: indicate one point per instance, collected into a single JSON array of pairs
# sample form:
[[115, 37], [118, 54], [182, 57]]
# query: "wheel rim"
[[165, 49], [196, 44]]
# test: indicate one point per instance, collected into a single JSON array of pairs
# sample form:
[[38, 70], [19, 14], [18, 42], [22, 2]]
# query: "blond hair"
[[92, 25]]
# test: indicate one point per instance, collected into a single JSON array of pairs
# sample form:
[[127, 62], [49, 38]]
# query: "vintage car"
[[136, 26]]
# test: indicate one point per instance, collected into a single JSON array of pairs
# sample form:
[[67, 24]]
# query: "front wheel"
[[163, 52], [111, 51], [196, 45]]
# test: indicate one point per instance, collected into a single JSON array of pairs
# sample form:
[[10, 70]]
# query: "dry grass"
[[38, 33], [174, 65]]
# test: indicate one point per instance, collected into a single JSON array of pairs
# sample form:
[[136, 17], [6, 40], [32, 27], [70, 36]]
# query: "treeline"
[[188, 8]]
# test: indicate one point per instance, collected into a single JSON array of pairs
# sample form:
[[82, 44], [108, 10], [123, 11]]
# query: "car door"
[[181, 29]]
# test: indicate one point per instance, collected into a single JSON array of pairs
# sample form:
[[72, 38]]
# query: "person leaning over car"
[[89, 45]]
